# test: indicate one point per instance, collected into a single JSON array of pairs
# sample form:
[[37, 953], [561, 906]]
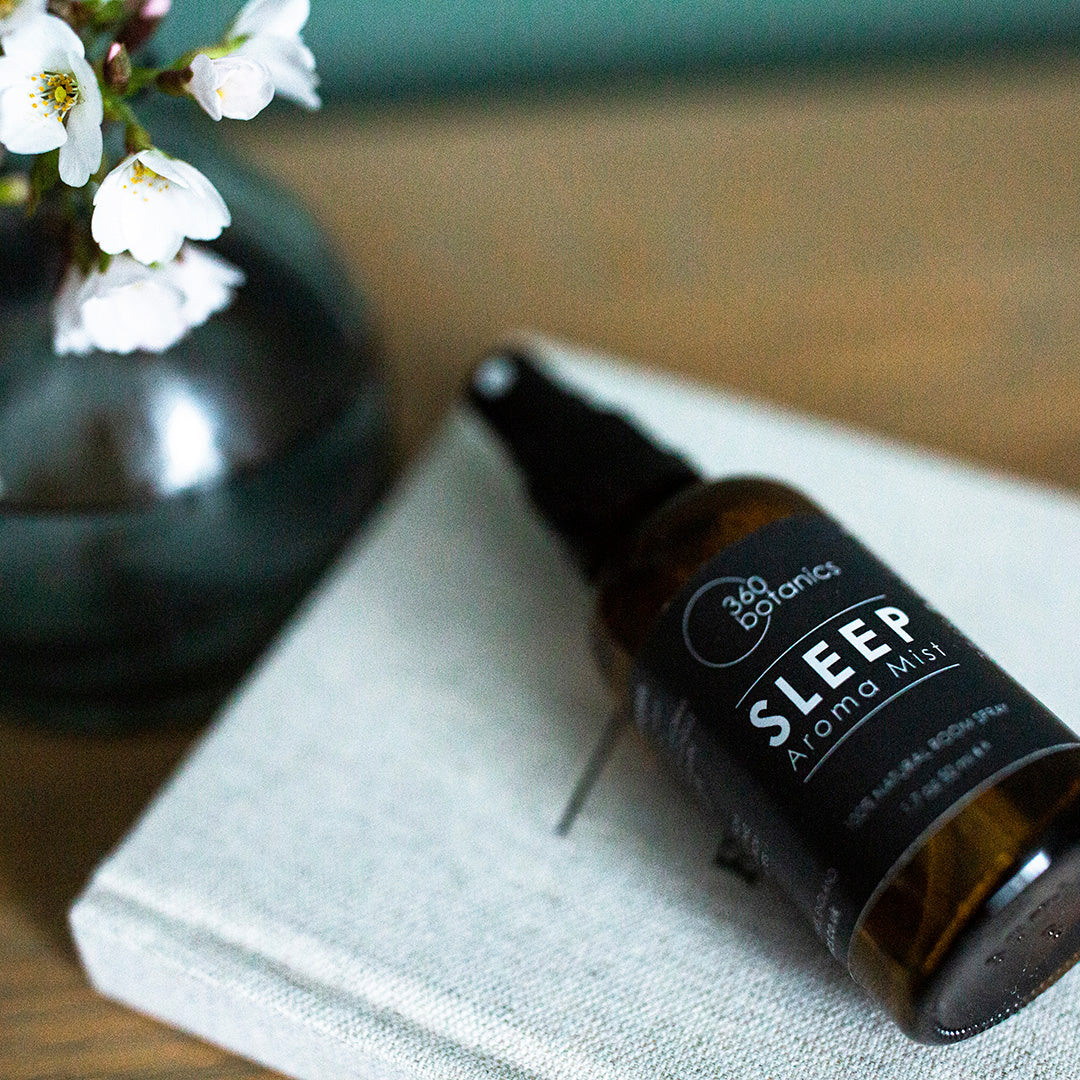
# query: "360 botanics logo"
[[745, 606], [756, 600]]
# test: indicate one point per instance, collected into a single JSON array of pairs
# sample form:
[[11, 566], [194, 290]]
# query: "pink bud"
[[144, 22], [117, 68]]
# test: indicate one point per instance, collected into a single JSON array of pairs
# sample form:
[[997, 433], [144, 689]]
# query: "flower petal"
[[246, 88], [43, 44], [107, 224], [25, 127], [151, 236], [69, 333], [280, 17], [11, 73], [130, 306], [24, 12], [131, 216], [149, 214], [31, 124], [291, 66], [144, 313], [207, 281], [202, 86], [234, 86], [80, 156], [200, 206]]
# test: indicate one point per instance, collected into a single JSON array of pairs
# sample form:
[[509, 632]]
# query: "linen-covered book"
[[360, 872]]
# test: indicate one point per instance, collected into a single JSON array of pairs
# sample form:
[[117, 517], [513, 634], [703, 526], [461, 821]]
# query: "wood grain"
[[896, 251], [64, 802]]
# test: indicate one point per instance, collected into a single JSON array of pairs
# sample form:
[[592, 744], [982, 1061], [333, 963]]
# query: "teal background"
[[392, 48]]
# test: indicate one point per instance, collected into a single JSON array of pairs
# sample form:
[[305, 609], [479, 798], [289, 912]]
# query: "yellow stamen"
[[140, 174], [58, 92]]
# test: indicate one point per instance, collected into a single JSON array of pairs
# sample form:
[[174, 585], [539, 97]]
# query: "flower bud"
[[117, 68], [141, 26]]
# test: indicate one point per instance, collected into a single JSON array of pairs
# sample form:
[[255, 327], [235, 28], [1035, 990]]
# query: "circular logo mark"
[[720, 625]]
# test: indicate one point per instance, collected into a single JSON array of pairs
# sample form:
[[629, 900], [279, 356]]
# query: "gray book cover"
[[358, 872]]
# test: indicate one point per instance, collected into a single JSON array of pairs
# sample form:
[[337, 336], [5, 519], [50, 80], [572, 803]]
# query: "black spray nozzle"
[[592, 474]]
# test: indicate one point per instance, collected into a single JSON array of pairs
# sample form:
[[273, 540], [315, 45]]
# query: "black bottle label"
[[827, 713]]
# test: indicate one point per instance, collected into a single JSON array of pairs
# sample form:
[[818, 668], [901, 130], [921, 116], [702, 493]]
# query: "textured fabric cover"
[[357, 872]]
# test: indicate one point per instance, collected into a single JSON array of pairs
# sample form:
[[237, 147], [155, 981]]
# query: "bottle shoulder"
[[669, 547]]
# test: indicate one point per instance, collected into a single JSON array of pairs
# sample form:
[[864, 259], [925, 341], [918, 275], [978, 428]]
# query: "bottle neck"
[[592, 475]]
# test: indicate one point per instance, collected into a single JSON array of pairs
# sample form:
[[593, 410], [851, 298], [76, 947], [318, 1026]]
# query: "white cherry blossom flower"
[[206, 280], [49, 97], [150, 202], [131, 306], [13, 13], [270, 33], [236, 87]]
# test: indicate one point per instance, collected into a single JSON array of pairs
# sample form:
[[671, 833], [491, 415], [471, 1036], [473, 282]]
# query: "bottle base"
[[1025, 937]]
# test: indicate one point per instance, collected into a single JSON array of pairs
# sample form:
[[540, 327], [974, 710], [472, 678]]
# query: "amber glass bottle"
[[920, 807]]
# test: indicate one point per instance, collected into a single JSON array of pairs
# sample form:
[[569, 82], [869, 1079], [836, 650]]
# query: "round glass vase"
[[162, 514]]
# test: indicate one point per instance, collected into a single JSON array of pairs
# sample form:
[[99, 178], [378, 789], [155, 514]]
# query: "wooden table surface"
[[896, 250]]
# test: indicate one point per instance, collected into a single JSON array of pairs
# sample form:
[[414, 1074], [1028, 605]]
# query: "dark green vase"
[[161, 515]]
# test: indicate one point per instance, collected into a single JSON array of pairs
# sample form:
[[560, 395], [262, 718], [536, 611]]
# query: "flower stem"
[[141, 78], [136, 137], [44, 175], [173, 81]]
